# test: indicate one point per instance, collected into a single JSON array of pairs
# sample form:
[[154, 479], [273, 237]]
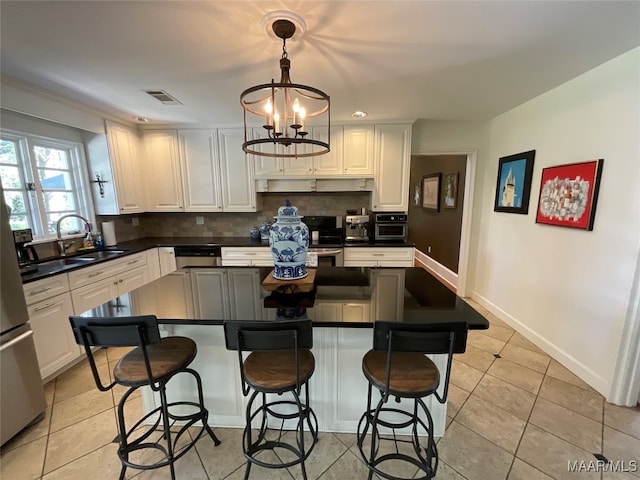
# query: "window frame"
[[34, 198]]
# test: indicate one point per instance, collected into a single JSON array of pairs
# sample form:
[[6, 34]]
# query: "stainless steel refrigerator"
[[21, 391]]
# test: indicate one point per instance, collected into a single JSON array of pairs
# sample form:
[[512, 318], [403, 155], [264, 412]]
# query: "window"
[[42, 179]]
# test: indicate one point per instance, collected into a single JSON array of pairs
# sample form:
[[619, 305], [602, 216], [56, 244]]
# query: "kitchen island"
[[343, 306]]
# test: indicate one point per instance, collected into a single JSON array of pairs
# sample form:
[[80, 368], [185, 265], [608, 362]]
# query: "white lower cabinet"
[[53, 337], [210, 293], [247, 257], [333, 311], [174, 296], [378, 256], [100, 292], [167, 260]]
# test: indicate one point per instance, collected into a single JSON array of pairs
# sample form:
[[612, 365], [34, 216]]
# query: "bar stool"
[[397, 367], [279, 362], [154, 362]]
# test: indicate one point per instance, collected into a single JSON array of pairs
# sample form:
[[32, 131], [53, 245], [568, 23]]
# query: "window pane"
[[18, 222], [15, 201], [51, 158], [68, 225], [59, 202], [55, 180], [10, 176], [8, 152]]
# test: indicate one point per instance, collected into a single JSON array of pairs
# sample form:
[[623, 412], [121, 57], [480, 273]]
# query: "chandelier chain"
[[284, 48]]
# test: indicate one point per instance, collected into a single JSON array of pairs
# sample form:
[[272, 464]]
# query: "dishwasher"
[[198, 256]]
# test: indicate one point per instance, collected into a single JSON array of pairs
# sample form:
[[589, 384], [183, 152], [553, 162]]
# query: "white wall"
[[568, 290]]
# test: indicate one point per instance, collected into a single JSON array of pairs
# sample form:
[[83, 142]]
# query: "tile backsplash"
[[233, 224]]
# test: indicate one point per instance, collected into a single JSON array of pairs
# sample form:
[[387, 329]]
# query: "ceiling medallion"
[[284, 110]]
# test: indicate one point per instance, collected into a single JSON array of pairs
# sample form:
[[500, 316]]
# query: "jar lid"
[[288, 211]]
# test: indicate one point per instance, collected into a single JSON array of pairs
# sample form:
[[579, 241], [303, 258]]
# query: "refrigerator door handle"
[[13, 341]]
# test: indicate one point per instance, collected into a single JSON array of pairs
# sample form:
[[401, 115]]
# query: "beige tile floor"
[[514, 413]]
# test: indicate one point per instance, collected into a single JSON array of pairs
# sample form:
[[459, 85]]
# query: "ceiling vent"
[[163, 97]]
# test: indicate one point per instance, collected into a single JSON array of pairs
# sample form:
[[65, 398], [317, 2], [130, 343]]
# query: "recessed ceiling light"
[[359, 114], [142, 119]]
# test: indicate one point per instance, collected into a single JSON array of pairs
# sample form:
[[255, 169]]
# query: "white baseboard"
[[442, 272], [568, 361]]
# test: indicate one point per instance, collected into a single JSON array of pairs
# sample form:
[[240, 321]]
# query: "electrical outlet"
[[135, 221], [199, 220], [429, 249]]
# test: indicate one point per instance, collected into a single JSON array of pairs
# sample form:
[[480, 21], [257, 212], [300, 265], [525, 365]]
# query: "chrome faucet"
[[62, 248]]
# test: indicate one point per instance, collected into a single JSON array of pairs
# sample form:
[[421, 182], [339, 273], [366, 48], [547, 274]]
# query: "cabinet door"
[[327, 312], [124, 151], [167, 260], [358, 149], [387, 296], [52, 334], [298, 166], [244, 294], [210, 293], [267, 167], [392, 161], [330, 163], [200, 169], [90, 296], [355, 312], [162, 171], [174, 295], [238, 185], [135, 278], [153, 264]]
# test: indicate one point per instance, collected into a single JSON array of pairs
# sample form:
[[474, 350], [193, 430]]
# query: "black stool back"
[[166, 357], [397, 366], [116, 332], [435, 338], [274, 346]]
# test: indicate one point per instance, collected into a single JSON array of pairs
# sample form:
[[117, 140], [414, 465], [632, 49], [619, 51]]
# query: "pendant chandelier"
[[283, 109]]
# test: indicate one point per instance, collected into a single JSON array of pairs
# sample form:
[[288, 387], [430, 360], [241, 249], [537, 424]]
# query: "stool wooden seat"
[[171, 355], [275, 371], [153, 363], [397, 367], [411, 375], [280, 362]]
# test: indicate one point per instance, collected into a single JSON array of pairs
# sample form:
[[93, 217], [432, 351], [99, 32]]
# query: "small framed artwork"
[[569, 193], [450, 183], [431, 191], [416, 194], [513, 186]]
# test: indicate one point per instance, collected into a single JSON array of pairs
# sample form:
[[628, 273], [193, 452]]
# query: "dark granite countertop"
[[134, 246], [423, 299]]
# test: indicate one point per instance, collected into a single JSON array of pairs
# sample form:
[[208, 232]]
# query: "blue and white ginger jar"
[[289, 240]]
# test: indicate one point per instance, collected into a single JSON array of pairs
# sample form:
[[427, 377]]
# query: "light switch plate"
[[199, 220]]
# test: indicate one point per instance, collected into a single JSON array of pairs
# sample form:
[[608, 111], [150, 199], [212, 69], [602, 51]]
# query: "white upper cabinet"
[[200, 169], [116, 159], [329, 163], [162, 171], [392, 162], [358, 149], [266, 166], [237, 172]]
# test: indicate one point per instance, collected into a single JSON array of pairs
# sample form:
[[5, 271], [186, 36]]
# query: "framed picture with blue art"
[[513, 186]]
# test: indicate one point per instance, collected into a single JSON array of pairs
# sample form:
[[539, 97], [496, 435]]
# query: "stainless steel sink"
[[60, 262], [84, 259]]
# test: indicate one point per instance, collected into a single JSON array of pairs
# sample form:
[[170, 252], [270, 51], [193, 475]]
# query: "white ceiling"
[[394, 59]]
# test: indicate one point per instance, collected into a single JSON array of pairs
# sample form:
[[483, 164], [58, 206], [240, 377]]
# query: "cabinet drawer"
[[90, 296], [46, 288], [379, 254], [104, 270], [247, 256]]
